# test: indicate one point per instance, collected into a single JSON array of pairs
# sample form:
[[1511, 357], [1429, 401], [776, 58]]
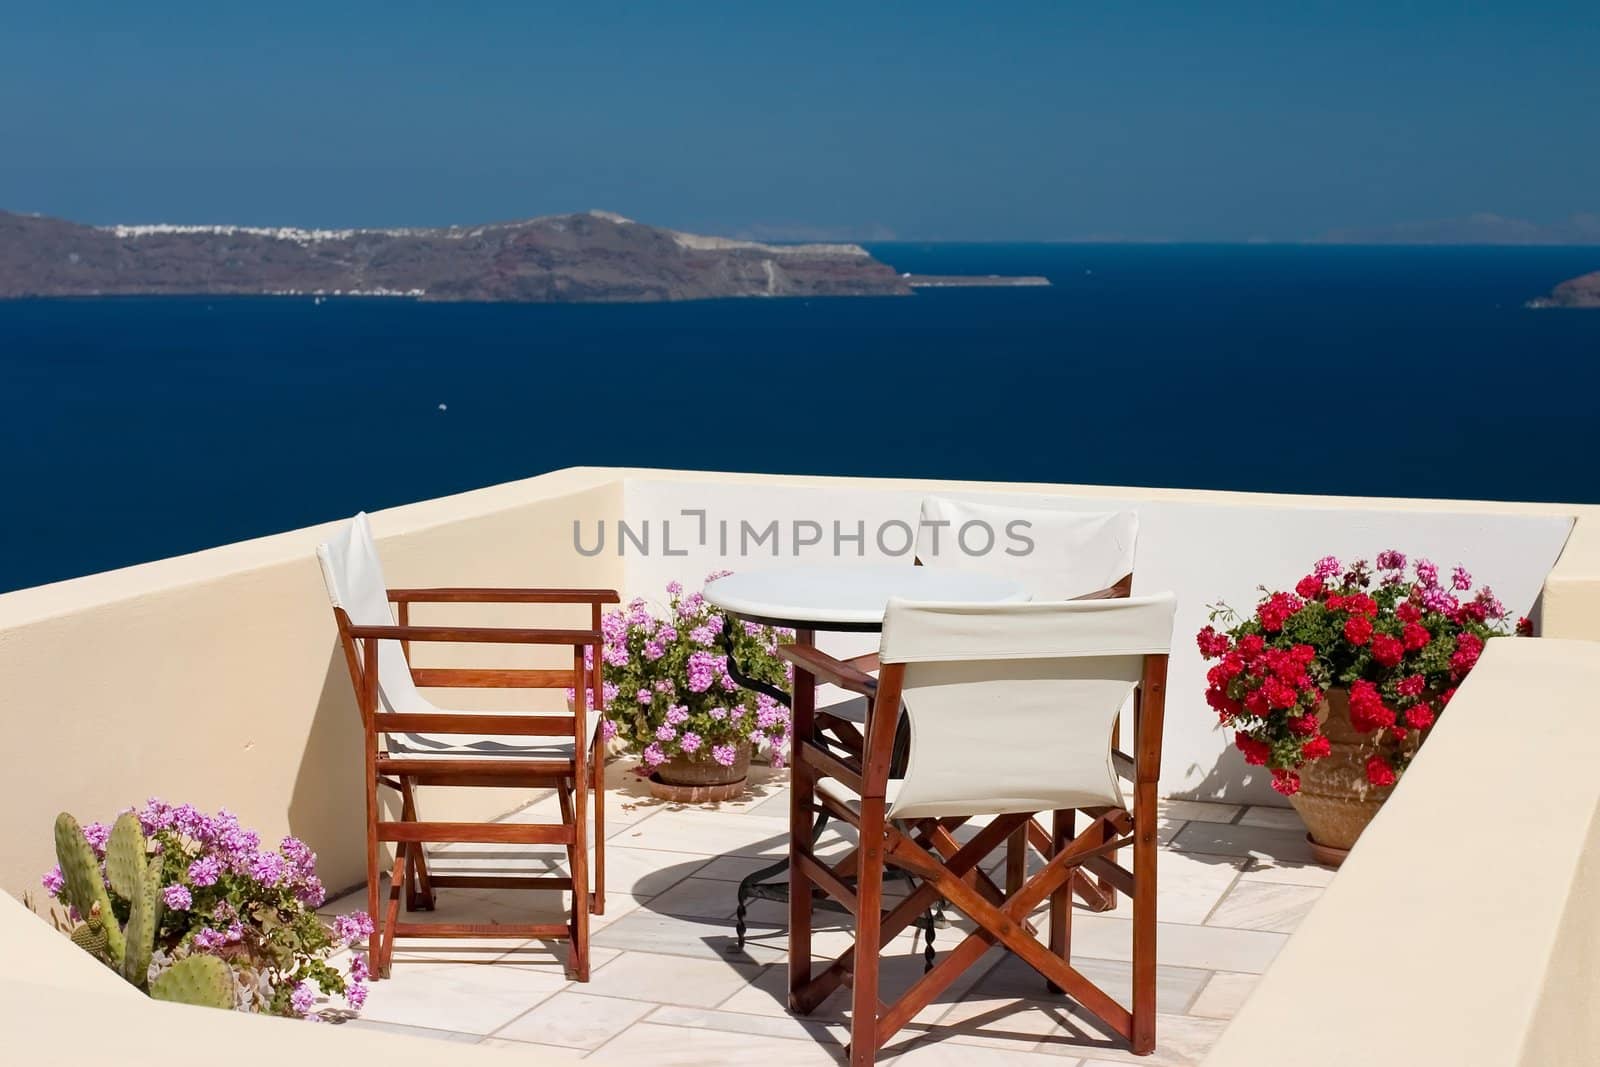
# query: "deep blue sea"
[[140, 428]]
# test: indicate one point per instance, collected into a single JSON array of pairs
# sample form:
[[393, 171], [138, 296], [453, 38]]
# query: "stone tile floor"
[[668, 985]]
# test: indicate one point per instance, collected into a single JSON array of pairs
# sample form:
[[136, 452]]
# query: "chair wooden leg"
[[564, 799], [419, 888], [579, 955], [597, 903], [383, 963], [1016, 859], [1143, 1040], [1061, 832], [869, 924], [375, 941]]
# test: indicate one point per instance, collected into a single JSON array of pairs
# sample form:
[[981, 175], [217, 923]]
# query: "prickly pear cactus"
[[126, 857], [84, 888], [144, 918], [200, 980], [90, 935]]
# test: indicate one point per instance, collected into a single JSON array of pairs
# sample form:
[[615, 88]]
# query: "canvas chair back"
[[354, 578], [1011, 706], [1072, 553]]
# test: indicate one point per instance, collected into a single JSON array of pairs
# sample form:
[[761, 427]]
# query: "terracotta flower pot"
[[693, 779], [1335, 799]]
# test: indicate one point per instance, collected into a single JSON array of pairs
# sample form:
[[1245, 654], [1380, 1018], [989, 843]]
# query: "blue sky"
[[925, 121]]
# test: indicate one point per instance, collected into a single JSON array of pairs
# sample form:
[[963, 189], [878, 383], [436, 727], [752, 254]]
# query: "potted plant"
[[670, 696], [190, 907], [1335, 685]]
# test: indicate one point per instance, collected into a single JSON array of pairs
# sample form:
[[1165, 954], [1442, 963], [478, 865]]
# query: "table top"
[[848, 596]]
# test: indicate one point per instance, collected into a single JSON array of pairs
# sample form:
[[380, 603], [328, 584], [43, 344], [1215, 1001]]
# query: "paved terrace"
[[669, 987]]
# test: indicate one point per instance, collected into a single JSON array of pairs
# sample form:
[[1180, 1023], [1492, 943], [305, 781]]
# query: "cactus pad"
[[84, 889], [200, 980], [126, 857], [91, 935], [144, 917]]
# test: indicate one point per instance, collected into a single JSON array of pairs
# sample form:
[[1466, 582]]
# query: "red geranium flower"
[[1524, 627], [1309, 587], [1379, 773], [1469, 646], [1412, 686], [1358, 629], [1367, 710], [1420, 716], [1255, 752], [1212, 644], [1415, 636], [1387, 650], [1361, 604], [1406, 611], [1285, 781], [1276, 609], [1225, 706], [1316, 748], [1280, 694]]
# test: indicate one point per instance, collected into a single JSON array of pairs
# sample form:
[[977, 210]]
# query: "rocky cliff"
[[596, 256], [1580, 292]]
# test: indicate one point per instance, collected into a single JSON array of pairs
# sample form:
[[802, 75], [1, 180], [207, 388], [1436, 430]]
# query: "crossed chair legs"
[[951, 871], [411, 875]]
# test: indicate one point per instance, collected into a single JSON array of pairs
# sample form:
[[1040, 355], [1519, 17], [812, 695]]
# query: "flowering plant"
[[1401, 648], [667, 686], [224, 895]]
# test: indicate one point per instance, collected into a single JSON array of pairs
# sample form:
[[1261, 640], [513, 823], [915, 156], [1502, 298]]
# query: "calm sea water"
[[135, 429]]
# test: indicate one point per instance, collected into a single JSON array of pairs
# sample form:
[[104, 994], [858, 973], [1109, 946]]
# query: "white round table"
[[848, 597]]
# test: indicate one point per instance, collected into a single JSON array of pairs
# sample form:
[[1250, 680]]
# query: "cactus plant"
[[137, 880], [90, 935], [127, 856], [84, 889], [204, 981], [144, 919], [199, 913]]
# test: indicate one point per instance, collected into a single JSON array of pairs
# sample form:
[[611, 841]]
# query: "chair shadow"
[[327, 802]]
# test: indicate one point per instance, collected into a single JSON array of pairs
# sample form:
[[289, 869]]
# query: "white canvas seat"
[[1009, 711], [413, 743], [485, 746]]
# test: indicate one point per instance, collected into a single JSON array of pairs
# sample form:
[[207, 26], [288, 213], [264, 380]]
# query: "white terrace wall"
[[216, 678], [1203, 546], [1434, 945]]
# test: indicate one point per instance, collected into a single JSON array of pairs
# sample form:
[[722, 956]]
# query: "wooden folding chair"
[[1010, 711], [411, 743], [1070, 555]]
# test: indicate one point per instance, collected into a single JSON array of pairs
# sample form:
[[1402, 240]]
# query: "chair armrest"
[[1120, 591], [825, 668], [480, 635], [867, 661], [469, 595]]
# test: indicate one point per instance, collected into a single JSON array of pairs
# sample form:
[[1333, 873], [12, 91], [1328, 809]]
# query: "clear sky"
[[927, 121]]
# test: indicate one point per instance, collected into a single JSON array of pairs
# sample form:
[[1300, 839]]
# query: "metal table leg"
[[772, 881]]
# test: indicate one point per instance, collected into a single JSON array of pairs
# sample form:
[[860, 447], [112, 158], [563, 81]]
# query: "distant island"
[[1580, 292], [971, 281], [593, 256]]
